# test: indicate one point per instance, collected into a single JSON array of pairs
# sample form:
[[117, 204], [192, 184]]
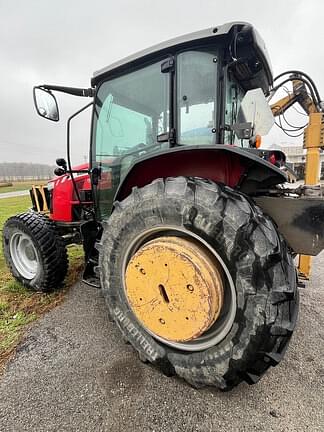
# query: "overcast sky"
[[63, 42]]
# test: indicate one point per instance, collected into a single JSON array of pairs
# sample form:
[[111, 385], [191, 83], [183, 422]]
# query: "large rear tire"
[[260, 290], [34, 251]]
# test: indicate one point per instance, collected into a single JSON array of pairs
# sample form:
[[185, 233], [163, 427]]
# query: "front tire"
[[253, 255], [35, 253]]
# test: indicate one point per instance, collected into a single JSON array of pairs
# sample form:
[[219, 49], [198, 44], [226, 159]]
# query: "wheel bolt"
[[162, 321], [190, 288]]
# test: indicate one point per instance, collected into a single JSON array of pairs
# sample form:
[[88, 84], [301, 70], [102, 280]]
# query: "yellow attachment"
[[175, 288], [304, 266], [313, 141]]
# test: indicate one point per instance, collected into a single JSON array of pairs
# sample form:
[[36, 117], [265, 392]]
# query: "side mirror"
[[45, 103], [61, 163], [254, 117], [61, 168], [59, 171]]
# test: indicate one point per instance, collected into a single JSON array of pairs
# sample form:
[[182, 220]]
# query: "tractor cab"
[[183, 93]]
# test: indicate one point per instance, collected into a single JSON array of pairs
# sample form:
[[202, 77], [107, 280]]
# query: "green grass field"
[[18, 186], [18, 305]]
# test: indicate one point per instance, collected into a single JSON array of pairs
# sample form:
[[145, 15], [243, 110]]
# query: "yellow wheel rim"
[[175, 288]]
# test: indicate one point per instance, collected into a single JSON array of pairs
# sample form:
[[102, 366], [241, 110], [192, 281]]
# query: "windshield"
[[130, 112]]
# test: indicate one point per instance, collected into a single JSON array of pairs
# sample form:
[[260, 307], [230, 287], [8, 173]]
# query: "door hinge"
[[172, 136], [95, 175], [168, 65], [167, 136]]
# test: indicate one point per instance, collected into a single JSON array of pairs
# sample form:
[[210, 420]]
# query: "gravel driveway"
[[74, 373]]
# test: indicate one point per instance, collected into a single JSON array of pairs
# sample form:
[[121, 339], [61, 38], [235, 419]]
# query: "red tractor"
[[187, 225]]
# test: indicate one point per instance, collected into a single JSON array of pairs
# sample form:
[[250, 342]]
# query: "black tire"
[[49, 246], [264, 275]]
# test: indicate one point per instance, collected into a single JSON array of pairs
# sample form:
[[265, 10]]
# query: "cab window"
[[130, 112], [196, 97]]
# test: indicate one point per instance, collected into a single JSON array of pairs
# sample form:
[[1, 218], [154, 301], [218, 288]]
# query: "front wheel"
[[199, 281], [34, 251]]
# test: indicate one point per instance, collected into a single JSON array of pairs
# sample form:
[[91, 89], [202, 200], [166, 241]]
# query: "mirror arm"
[[89, 92]]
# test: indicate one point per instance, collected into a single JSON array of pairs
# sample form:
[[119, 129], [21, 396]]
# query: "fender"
[[236, 167]]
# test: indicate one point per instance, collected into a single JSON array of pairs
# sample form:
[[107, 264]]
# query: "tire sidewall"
[[9, 230], [49, 245]]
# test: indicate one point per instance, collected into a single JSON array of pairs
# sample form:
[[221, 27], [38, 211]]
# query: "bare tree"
[[20, 171]]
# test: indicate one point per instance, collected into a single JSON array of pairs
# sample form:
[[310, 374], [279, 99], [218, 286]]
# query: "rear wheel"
[[34, 251], [199, 281]]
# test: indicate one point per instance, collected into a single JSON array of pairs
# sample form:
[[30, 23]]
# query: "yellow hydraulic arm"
[[313, 142]]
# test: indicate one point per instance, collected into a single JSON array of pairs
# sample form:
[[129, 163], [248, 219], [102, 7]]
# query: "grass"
[[20, 306], [18, 186]]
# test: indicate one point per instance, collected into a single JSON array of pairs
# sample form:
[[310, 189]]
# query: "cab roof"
[[164, 48]]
